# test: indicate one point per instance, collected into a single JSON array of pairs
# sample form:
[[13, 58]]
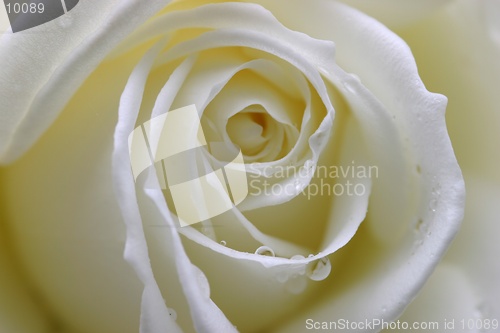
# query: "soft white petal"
[[64, 224], [475, 249], [447, 302], [387, 69], [465, 285], [205, 314], [396, 13], [35, 86], [204, 81], [4, 21], [154, 313], [457, 54], [348, 211]]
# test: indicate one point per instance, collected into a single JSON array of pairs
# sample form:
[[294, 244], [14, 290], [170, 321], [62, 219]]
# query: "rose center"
[[249, 129]]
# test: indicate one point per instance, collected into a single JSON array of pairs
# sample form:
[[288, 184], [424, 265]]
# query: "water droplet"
[[320, 269], [308, 165], [436, 195], [265, 251], [296, 284], [223, 243], [202, 282], [302, 269], [297, 257], [310, 256], [298, 185], [172, 313]]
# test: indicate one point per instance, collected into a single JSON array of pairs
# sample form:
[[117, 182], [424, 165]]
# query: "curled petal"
[[35, 86]]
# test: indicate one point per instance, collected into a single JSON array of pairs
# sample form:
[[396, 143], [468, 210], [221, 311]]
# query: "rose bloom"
[[299, 85]]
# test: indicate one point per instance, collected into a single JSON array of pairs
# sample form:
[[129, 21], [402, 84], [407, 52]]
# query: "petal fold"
[[35, 86]]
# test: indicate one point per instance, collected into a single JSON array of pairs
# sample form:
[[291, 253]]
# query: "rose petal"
[[475, 249], [457, 54], [154, 313], [256, 28], [4, 21], [180, 81], [448, 298], [348, 211], [387, 69], [18, 310], [226, 275], [205, 314], [35, 86], [464, 286], [397, 14], [73, 231]]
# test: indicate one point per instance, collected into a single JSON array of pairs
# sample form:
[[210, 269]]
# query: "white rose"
[[339, 89]]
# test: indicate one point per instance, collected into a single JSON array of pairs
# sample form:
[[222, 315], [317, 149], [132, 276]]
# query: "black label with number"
[[26, 14]]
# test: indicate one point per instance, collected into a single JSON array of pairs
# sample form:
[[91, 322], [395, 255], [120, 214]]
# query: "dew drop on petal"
[[297, 257], [223, 243], [172, 313], [302, 270], [298, 186], [265, 251], [320, 269], [309, 167]]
